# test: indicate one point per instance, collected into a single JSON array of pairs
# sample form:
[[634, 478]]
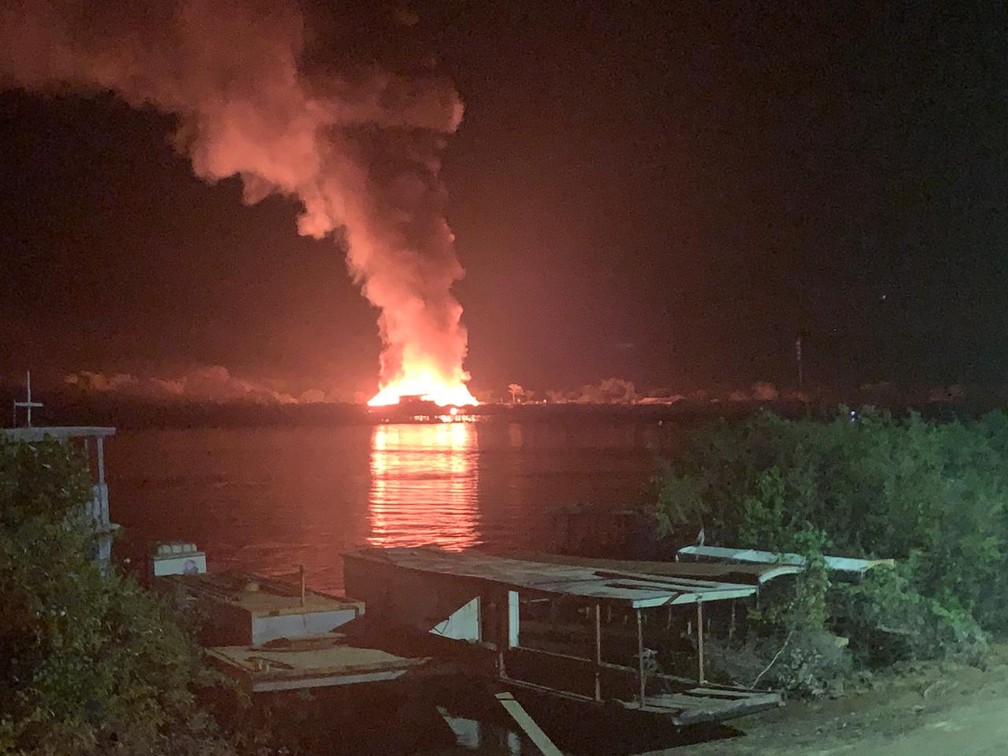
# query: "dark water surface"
[[269, 499]]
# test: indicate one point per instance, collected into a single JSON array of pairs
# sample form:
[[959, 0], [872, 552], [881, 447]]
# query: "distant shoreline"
[[137, 413]]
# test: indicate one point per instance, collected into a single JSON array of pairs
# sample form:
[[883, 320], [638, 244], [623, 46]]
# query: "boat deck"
[[262, 596], [248, 609], [322, 661]]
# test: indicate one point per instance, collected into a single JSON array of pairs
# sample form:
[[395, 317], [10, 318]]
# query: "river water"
[[267, 500]]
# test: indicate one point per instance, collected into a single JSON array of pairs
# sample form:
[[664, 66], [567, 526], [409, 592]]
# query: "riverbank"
[[922, 707]]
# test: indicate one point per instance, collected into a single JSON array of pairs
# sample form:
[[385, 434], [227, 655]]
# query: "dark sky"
[[666, 192]]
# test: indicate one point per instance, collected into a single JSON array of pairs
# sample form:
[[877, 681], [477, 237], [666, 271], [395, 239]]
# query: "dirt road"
[[928, 708]]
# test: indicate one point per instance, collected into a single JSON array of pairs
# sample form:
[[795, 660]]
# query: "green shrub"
[[888, 620], [89, 661], [806, 663], [930, 495]]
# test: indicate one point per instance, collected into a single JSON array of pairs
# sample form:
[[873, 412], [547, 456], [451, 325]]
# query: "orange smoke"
[[360, 150]]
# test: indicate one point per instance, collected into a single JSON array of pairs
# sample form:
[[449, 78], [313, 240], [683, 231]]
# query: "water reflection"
[[423, 485]]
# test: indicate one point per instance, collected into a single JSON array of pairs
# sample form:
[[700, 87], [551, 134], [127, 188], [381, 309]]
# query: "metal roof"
[[754, 556], [617, 585], [722, 572], [58, 432]]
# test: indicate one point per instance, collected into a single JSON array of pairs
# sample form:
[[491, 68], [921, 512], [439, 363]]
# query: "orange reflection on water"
[[423, 485]]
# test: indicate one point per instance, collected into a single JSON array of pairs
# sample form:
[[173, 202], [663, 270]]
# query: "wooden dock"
[[478, 597]]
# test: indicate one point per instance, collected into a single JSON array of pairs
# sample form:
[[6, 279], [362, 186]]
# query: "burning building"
[[416, 408]]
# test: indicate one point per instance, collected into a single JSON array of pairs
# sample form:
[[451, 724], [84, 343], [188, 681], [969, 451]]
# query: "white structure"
[[177, 559], [244, 610]]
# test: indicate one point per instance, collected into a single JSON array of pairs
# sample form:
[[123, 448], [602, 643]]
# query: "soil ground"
[[923, 708]]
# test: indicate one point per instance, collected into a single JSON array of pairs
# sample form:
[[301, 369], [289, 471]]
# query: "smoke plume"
[[360, 151]]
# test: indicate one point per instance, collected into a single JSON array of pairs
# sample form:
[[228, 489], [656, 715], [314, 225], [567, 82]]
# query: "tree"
[[88, 660], [516, 391]]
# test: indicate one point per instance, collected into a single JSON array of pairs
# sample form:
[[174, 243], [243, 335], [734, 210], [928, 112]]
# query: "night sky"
[[666, 192]]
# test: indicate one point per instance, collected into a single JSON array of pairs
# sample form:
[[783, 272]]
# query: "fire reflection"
[[423, 485]]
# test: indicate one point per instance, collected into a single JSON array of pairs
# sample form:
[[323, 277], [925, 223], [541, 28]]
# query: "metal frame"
[[598, 665]]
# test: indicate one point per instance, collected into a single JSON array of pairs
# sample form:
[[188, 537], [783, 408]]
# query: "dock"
[[487, 599]]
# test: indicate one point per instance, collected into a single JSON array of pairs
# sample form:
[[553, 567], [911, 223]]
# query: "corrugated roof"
[[613, 585], [754, 556], [721, 572]]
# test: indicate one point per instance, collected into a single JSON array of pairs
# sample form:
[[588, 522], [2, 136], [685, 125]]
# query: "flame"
[[430, 386]]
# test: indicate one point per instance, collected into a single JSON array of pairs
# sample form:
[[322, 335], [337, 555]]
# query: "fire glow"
[[429, 387]]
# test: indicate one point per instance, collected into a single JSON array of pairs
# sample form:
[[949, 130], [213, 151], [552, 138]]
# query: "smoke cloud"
[[360, 151]]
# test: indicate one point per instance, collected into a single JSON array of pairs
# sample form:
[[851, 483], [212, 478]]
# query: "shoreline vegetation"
[[613, 400], [93, 662], [930, 495]]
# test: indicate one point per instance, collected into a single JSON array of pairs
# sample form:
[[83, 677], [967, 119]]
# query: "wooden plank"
[[713, 686], [528, 725], [274, 684], [547, 691], [682, 701], [724, 693], [696, 715]]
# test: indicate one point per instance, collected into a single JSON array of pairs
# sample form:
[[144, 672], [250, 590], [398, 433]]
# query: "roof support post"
[[640, 657], [699, 626], [503, 631], [514, 619], [598, 652]]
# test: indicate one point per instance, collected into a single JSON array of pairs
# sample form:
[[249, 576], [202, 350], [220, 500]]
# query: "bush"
[[805, 663], [930, 495], [888, 620], [88, 660]]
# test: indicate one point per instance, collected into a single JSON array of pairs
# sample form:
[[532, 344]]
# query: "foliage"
[[88, 660], [930, 495], [888, 620], [804, 663]]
